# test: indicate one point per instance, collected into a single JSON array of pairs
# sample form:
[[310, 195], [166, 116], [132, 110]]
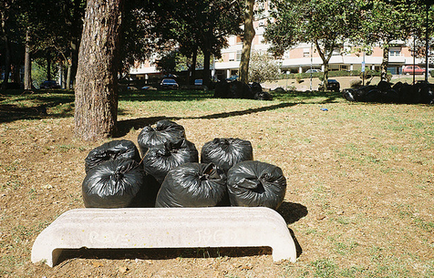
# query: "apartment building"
[[301, 57]]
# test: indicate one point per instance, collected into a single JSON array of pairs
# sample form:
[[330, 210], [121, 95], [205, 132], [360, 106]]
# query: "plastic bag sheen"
[[256, 184]]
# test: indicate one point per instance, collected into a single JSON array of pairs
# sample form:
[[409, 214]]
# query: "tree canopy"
[[327, 24]]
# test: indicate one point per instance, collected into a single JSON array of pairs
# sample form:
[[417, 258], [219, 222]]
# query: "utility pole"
[[427, 42]]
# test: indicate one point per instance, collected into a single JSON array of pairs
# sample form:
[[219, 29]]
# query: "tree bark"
[[7, 63], [249, 34], [325, 60], [6, 44], [96, 100], [48, 58], [193, 66], [385, 62], [27, 64]]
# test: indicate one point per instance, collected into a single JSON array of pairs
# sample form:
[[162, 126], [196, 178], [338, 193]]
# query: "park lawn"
[[360, 182]]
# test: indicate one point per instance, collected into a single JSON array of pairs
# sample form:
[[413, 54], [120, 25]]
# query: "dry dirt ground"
[[359, 201]]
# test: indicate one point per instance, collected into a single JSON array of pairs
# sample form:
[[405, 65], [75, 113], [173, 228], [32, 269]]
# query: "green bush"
[[298, 77]]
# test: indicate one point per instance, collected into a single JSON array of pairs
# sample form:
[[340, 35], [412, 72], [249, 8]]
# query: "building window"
[[231, 56], [238, 55], [395, 52], [336, 52], [306, 52]]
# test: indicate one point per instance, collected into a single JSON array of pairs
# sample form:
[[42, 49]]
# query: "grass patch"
[[359, 180]]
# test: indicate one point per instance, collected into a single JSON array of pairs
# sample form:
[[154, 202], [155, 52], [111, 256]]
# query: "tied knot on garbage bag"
[[116, 149], [226, 152], [113, 184], [210, 172], [255, 183], [160, 159], [164, 131], [193, 185]]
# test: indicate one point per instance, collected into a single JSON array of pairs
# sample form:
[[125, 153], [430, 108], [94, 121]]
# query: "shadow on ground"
[[126, 125], [21, 105], [160, 253]]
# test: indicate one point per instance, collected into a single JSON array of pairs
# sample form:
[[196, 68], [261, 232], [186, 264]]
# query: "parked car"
[[198, 82], [332, 85], [169, 84], [408, 70], [49, 84], [313, 70], [232, 78]]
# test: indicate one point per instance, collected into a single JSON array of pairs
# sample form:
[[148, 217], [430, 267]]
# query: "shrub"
[[355, 83], [298, 77]]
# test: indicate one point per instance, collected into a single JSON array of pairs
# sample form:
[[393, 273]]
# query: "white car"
[[313, 70]]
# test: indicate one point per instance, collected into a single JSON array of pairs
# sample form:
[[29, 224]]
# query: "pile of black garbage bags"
[[238, 89], [385, 92], [165, 172]]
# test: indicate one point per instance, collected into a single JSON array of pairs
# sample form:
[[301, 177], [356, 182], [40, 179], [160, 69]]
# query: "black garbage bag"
[[221, 89], [263, 96], [410, 94], [368, 94], [164, 131], [238, 89], [391, 96], [113, 184], [426, 93], [116, 149], [256, 87], [349, 94], [159, 160], [234, 89], [256, 184], [384, 86], [226, 152], [193, 185]]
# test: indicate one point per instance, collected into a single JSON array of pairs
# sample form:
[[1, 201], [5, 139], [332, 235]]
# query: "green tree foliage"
[[194, 24], [10, 34], [383, 22], [418, 19], [53, 28], [327, 24]]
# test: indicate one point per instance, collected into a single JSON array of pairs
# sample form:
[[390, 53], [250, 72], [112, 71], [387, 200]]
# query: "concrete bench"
[[165, 228]]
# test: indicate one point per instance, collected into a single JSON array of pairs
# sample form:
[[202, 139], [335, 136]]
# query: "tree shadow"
[[28, 105], [125, 126]]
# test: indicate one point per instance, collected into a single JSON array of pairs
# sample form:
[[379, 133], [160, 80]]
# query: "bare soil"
[[359, 201]]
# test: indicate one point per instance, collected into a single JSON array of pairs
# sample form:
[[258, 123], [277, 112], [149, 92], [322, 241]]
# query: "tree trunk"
[[325, 60], [193, 66], [73, 66], [68, 74], [385, 62], [6, 45], [7, 62], [206, 67], [48, 58], [96, 100], [249, 34], [27, 64]]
